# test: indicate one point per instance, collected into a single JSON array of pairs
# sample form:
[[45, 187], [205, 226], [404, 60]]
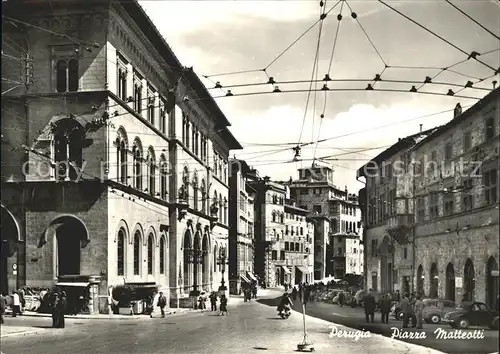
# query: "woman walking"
[[223, 305]]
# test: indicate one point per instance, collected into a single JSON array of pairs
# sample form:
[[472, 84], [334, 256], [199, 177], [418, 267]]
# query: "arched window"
[[221, 209], [150, 253], [203, 196], [137, 152], [151, 171], [162, 255], [61, 75], [121, 252], [68, 140], [67, 75], [137, 253], [224, 205], [195, 190], [123, 162], [185, 184], [163, 177], [138, 97], [121, 156], [274, 216], [122, 83]]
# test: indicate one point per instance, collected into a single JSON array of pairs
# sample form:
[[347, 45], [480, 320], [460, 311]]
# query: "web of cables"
[[316, 85]]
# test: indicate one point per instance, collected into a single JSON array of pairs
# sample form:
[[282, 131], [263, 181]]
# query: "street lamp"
[[222, 261]]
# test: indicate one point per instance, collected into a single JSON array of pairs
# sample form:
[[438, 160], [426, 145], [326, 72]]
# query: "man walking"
[[16, 304], [419, 310], [385, 305], [162, 302], [213, 300], [369, 304], [405, 309]]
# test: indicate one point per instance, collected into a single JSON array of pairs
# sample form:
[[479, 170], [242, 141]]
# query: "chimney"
[[457, 111], [421, 125], [346, 189]]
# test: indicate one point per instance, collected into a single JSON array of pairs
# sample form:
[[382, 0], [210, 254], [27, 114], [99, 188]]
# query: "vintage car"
[[434, 310], [472, 314]]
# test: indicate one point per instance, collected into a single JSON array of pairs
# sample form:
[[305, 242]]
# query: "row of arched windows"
[[144, 168], [217, 206], [138, 256]]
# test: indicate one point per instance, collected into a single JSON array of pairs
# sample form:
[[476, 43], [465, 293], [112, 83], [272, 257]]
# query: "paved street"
[[354, 318], [250, 327]]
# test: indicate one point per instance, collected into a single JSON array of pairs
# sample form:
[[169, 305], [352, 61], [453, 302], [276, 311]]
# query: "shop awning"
[[76, 285], [251, 276], [303, 269], [245, 279], [286, 270]]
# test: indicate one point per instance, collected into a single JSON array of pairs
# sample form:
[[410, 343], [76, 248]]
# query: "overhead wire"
[[472, 19], [325, 102], [315, 63], [469, 55]]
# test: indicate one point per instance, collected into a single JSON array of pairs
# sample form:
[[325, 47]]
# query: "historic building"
[[241, 225], [316, 192], [389, 256], [108, 105], [456, 205], [269, 226], [293, 253], [444, 225]]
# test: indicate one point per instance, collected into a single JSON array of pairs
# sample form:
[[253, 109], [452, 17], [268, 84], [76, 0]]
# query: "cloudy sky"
[[218, 37]]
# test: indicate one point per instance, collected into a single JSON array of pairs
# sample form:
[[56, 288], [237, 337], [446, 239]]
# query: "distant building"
[[292, 254], [269, 225], [241, 225], [315, 191]]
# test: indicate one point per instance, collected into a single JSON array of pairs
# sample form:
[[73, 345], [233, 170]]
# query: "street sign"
[[494, 273], [458, 282]]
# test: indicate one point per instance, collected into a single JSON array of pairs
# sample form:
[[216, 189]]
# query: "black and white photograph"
[[250, 176]]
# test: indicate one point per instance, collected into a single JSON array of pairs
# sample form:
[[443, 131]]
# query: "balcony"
[[399, 227], [399, 220]]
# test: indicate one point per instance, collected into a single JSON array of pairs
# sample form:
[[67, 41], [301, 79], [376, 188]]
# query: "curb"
[[35, 331], [107, 317]]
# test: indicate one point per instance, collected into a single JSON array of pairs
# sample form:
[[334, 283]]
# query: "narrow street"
[[250, 327], [354, 318]]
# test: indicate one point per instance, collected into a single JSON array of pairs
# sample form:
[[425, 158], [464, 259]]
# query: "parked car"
[[472, 314], [436, 309]]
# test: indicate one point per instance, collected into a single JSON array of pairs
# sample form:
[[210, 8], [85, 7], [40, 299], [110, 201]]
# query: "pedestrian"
[[3, 305], [201, 302], [62, 305], [254, 291], [369, 305], [54, 304], [294, 293], [405, 309], [213, 300], [162, 302], [419, 311], [16, 304], [413, 299], [223, 305], [398, 296], [385, 304], [341, 299], [22, 299]]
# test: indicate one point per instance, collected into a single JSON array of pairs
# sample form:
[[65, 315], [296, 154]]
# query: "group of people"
[[58, 304], [223, 303], [370, 306], [412, 308], [249, 292]]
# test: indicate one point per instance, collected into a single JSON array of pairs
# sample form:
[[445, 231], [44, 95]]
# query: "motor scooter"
[[285, 313]]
